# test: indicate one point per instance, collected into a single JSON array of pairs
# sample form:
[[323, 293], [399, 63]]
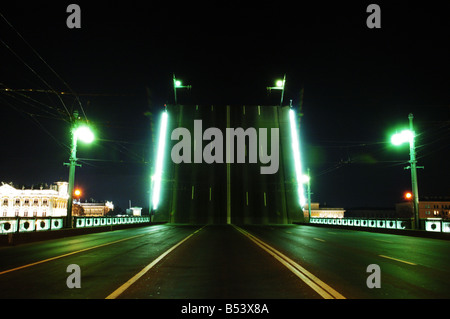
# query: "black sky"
[[360, 84]]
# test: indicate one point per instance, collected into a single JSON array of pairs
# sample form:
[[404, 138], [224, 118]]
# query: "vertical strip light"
[[157, 177], [297, 159]]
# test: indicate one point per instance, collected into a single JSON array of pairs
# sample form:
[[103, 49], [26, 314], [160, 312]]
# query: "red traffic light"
[[408, 196]]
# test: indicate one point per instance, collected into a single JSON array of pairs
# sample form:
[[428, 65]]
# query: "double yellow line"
[[312, 281]]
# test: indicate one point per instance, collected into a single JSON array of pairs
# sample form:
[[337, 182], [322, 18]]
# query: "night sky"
[[359, 84]]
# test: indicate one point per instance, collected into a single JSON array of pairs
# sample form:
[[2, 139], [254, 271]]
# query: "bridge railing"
[[35, 224], [427, 224], [82, 222]]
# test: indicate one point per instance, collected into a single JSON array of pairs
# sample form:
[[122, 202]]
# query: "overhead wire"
[[39, 124], [51, 69], [35, 73], [26, 99]]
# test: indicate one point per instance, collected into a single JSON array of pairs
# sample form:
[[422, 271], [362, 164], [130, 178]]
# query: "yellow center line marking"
[[315, 283], [383, 240], [396, 259], [69, 254], [116, 293]]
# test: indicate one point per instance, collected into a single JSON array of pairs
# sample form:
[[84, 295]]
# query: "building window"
[[5, 202], [17, 202], [35, 202], [26, 202], [45, 202]]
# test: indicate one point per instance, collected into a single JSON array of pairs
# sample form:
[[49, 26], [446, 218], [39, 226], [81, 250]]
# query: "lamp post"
[[177, 84], [83, 133], [398, 139], [279, 85]]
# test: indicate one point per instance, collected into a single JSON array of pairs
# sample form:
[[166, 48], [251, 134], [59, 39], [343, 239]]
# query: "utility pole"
[[72, 164], [282, 91], [178, 85], [175, 88], [413, 162], [85, 134]]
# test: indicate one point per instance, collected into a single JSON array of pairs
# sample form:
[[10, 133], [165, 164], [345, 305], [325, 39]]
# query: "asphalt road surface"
[[227, 262]]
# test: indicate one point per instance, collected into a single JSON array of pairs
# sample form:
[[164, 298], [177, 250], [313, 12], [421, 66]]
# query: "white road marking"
[[131, 281]]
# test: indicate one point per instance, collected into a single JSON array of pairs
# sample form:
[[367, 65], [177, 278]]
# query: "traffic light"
[[408, 196]]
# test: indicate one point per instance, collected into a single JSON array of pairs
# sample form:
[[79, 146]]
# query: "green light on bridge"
[[157, 177], [297, 159]]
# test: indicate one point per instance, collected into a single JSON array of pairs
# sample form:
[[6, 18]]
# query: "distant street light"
[[84, 134], [279, 85], [402, 137], [408, 136], [177, 84]]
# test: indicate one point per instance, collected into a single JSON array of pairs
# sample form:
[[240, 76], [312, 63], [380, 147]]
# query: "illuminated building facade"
[[34, 202], [93, 209], [317, 212], [427, 209]]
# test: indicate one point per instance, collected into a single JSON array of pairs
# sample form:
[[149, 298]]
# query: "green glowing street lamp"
[[83, 133], [279, 85], [408, 136], [177, 84]]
